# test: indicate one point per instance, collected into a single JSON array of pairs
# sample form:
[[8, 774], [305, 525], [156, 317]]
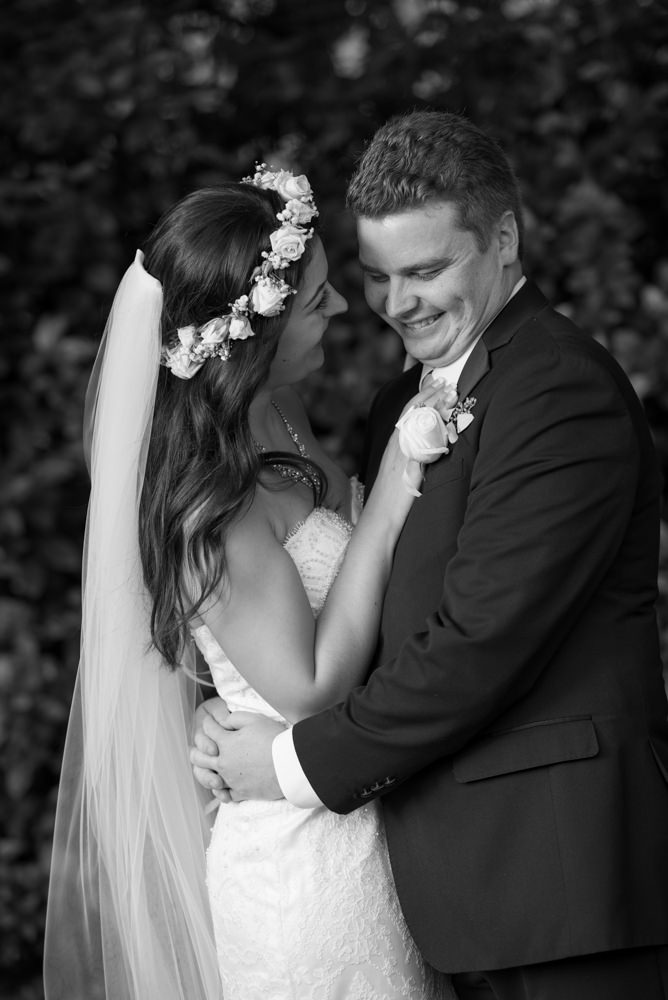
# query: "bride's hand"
[[399, 477], [243, 760], [211, 708], [440, 395]]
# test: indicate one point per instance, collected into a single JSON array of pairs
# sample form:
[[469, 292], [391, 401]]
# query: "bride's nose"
[[336, 304]]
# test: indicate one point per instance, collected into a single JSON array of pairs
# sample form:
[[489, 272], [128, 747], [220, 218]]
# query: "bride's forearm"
[[347, 628]]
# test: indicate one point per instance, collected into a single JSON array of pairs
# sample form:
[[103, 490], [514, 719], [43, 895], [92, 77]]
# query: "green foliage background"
[[111, 111]]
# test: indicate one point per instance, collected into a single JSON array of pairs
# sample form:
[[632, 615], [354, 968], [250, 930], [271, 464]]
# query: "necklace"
[[290, 471]]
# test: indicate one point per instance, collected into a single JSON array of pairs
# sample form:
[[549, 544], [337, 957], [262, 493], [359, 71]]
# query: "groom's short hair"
[[427, 156]]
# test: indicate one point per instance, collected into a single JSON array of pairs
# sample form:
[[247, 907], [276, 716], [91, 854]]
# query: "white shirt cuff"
[[294, 784]]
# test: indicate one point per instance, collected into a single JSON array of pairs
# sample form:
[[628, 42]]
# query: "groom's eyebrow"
[[429, 264]]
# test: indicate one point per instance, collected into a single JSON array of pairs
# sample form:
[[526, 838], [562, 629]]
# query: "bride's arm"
[[262, 617]]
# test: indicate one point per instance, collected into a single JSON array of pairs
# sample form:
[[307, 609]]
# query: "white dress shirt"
[[295, 786]]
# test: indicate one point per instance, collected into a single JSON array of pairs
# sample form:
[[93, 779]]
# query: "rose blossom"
[[264, 178], [288, 241], [423, 435], [266, 298], [180, 364], [240, 328], [186, 335], [215, 331], [292, 187], [299, 212]]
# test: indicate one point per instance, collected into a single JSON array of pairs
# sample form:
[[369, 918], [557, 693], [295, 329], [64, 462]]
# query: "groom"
[[515, 720]]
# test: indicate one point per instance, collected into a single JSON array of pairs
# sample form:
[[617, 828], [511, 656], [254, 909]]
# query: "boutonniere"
[[424, 435], [461, 415]]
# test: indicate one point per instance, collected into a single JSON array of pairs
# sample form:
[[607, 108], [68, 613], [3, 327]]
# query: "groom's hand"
[[242, 757]]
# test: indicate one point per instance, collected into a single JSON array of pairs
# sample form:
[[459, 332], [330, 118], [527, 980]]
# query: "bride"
[[216, 521]]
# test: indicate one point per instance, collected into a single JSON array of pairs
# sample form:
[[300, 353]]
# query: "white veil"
[[128, 915]]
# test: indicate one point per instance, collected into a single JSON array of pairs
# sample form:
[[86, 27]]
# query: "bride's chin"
[[317, 357]]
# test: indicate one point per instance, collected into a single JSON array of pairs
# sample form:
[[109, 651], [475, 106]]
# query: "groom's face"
[[430, 281]]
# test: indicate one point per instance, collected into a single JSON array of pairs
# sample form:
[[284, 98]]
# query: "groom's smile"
[[430, 281], [422, 324]]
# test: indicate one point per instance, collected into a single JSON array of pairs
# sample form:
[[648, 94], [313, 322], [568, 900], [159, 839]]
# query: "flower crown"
[[194, 345]]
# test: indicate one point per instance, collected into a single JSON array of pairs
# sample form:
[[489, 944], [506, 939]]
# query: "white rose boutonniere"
[[424, 435]]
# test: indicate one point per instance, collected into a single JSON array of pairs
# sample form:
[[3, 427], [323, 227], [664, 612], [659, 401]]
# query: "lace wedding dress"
[[303, 902]]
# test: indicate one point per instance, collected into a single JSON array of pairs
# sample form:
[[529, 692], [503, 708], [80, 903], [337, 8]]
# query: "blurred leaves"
[[111, 112]]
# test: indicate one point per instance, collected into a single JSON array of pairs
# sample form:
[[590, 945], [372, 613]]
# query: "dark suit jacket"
[[516, 715]]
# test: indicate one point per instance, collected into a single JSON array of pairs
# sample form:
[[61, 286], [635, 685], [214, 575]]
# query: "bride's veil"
[[128, 915]]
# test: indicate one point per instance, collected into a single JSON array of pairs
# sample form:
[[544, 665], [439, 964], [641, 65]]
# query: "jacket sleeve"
[[552, 492]]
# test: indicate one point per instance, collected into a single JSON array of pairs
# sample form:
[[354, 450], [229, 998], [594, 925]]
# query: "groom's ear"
[[508, 238]]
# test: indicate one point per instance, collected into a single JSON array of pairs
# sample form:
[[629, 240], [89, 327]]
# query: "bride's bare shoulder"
[[255, 524]]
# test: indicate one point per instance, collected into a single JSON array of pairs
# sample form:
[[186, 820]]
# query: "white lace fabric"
[[303, 901]]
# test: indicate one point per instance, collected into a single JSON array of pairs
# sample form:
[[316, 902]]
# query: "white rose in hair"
[[240, 328], [186, 335], [423, 435], [288, 242], [180, 364], [266, 298], [264, 178], [292, 187], [298, 212], [215, 331]]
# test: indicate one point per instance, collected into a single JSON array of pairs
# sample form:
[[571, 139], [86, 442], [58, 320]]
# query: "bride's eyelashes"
[[324, 299]]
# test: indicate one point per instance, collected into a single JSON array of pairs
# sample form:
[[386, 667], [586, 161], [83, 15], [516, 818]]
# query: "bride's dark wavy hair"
[[202, 466]]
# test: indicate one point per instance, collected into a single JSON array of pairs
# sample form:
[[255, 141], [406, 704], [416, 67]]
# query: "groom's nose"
[[400, 300]]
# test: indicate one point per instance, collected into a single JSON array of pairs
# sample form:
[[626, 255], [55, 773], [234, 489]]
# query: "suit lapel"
[[528, 302], [522, 307], [519, 310], [474, 369]]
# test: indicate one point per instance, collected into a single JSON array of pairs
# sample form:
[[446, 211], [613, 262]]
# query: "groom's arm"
[[294, 784], [552, 492]]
